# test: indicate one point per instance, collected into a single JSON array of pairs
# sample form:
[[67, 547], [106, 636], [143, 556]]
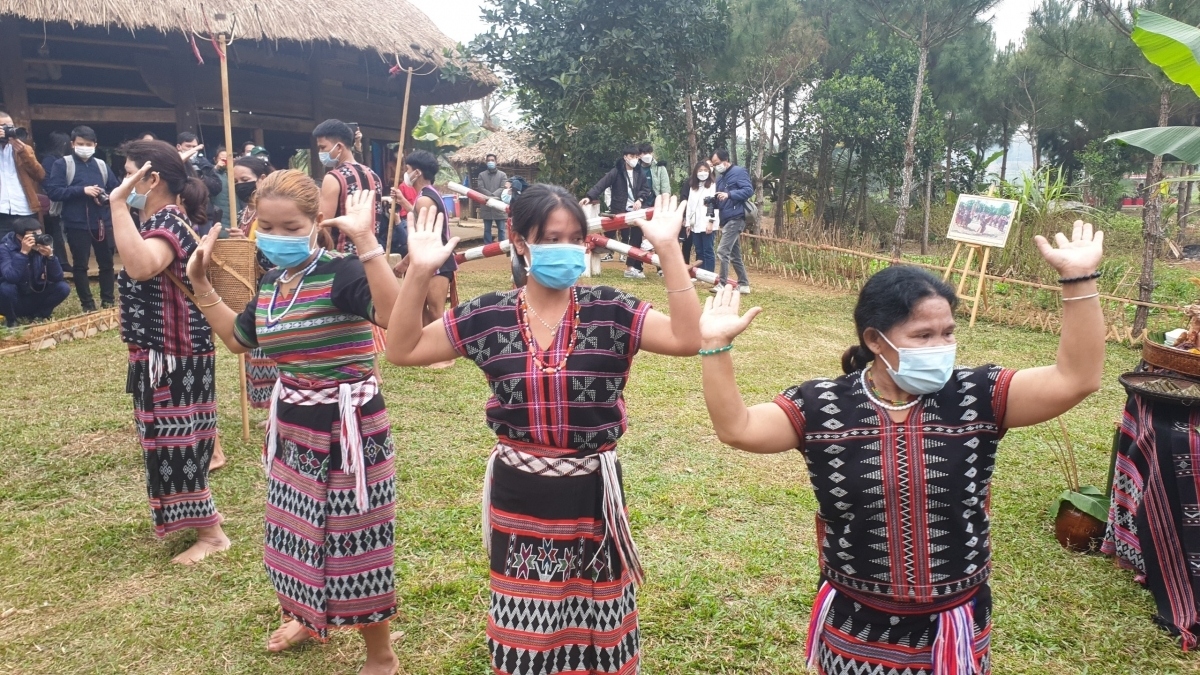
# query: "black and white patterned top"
[[905, 505], [156, 314], [580, 407]]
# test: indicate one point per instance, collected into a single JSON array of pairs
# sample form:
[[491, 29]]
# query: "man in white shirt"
[[20, 174]]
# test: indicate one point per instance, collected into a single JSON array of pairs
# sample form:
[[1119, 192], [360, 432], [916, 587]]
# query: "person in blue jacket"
[[733, 190], [31, 277], [85, 214]]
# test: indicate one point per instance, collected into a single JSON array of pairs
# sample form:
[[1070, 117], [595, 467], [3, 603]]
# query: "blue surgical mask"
[[557, 266], [923, 370], [136, 201], [283, 250], [491, 166], [327, 160]]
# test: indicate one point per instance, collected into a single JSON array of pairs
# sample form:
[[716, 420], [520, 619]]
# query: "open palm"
[[425, 247], [359, 221], [668, 218], [1075, 257], [721, 321]]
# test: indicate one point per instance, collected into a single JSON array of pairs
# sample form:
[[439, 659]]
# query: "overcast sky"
[[460, 18]]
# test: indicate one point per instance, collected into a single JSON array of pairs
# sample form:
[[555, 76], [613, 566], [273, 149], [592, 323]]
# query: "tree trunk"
[[824, 180], [928, 208], [733, 129], [910, 150], [760, 151], [1179, 203], [841, 217], [693, 149], [784, 150], [1033, 143], [862, 193], [748, 157], [1004, 142], [1151, 221], [1185, 208], [949, 150]]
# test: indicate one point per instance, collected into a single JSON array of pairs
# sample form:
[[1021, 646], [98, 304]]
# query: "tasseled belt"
[[616, 517], [350, 396]]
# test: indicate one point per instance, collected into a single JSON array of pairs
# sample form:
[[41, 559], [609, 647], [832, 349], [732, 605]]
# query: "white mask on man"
[[85, 151], [631, 162], [648, 158]]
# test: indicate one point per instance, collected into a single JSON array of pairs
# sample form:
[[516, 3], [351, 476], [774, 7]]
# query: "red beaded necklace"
[[527, 333]]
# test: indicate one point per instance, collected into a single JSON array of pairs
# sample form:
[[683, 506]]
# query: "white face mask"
[[631, 162], [648, 158], [84, 151], [702, 175], [720, 168], [408, 179]]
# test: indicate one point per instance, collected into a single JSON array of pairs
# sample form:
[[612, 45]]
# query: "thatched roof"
[[510, 147], [393, 28]]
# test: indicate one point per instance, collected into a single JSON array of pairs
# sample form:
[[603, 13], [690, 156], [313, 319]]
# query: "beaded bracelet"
[[1074, 280], [718, 350], [371, 255], [205, 295]]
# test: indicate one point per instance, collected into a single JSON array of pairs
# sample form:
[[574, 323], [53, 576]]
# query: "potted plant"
[[1081, 511]]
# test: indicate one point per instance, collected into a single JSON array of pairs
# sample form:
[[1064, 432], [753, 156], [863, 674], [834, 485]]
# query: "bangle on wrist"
[[1075, 280], [1082, 297], [214, 303], [718, 350], [681, 290], [205, 295], [371, 255]]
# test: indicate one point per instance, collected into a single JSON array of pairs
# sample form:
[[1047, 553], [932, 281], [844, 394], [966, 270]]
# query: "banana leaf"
[[1183, 143], [1171, 45], [1089, 499]]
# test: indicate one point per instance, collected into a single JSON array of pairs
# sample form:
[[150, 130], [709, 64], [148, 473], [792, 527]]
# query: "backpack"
[[367, 180], [518, 185], [751, 214], [56, 207]]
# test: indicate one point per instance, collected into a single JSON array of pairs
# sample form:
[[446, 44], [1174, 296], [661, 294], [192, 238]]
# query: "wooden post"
[[232, 218], [258, 138], [981, 277], [983, 263], [962, 282], [399, 163], [12, 76], [953, 257]]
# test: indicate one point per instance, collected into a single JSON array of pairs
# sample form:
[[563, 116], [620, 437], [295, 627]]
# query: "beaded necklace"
[[868, 384], [527, 332], [273, 321]]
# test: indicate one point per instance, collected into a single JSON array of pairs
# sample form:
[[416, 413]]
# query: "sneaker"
[[107, 305], [608, 257], [622, 258], [631, 273], [744, 289], [660, 273], [715, 289]]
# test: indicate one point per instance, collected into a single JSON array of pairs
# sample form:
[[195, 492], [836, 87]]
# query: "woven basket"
[[234, 273], [1170, 358]]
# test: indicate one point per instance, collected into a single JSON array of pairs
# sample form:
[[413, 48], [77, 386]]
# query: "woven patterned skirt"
[[331, 566], [176, 416], [261, 373], [561, 602], [860, 640]]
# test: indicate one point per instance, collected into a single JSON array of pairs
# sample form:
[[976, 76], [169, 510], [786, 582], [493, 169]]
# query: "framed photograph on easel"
[[983, 221]]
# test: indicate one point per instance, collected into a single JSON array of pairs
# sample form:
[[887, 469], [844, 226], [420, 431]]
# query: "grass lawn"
[[726, 537]]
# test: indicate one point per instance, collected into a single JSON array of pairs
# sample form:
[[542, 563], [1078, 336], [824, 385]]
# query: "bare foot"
[[218, 457], [290, 634], [440, 365], [389, 667], [209, 541]]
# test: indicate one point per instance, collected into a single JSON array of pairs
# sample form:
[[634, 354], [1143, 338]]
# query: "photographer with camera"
[[733, 191], [701, 217], [82, 182], [20, 174], [31, 277]]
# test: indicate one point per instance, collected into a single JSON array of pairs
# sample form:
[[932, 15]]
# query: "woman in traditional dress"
[[557, 357], [900, 451], [261, 371], [172, 363], [328, 452]]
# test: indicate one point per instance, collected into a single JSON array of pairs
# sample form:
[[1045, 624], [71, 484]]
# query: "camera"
[[102, 198], [711, 203], [43, 240], [11, 131]]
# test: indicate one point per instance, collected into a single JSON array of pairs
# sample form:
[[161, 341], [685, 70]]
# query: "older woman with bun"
[[900, 452], [172, 363]]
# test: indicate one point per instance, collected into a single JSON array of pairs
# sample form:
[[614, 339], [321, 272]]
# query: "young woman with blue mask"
[[900, 452], [329, 452], [557, 357]]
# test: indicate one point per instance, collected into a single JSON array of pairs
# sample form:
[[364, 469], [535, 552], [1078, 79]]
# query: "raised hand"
[[721, 323], [1077, 257], [359, 222], [426, 252], [187, 155], [201, 260], [668, 218], [118, 196]]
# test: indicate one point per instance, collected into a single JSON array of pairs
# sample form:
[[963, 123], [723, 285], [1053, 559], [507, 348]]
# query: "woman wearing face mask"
[[557, 357], [261, 371], [900, 452], [171, 356], [702, 227], [329, 451]]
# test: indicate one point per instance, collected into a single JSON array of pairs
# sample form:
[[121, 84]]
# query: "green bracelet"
[[718, 350]]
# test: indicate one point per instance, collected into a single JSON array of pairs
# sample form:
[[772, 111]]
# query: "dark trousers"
[[17, 305], [54, 228], [633, 237], [83, 243], [704, 249], [501, 230], [685, 240], [9, 223]]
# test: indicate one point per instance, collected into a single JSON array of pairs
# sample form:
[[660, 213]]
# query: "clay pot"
[[1077, 531]]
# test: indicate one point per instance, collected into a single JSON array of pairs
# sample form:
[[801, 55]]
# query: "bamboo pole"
[[232, 216], [399, 163], [983, 263]]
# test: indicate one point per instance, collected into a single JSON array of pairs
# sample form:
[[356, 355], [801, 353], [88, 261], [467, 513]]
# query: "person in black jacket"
[[191, 150], [627, 182], [31, 277]]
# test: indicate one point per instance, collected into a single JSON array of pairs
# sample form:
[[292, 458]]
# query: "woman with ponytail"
[[900, 452], [329, 453], [172, 364]]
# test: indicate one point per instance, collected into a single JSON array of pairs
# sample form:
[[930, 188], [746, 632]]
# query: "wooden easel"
[[972, 249]]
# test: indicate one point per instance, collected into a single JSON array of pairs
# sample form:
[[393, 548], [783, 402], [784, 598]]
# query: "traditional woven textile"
[[261, 375]]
